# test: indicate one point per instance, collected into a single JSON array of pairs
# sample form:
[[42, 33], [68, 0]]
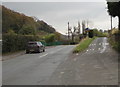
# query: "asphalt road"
[[97, 65], [35, 68]]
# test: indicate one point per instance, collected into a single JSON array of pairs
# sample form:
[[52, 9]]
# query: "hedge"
[[114, 40], [12, 43]]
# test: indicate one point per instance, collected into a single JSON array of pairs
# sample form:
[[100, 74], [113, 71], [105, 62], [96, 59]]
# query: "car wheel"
[[43, 50], [39, 51], [27, 52]]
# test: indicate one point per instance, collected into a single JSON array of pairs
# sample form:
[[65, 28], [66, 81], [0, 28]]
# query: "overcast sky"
[[58, 14]]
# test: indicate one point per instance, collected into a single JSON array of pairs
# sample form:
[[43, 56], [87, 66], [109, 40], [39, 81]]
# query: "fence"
[[53, 43]]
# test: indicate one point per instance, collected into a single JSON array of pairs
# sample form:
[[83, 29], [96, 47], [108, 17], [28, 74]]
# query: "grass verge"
[[83, 45]]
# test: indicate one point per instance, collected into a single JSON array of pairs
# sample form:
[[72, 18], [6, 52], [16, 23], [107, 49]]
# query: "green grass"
[[83, 45]]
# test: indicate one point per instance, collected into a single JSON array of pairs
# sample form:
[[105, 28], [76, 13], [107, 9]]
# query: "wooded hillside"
[[21, 24]]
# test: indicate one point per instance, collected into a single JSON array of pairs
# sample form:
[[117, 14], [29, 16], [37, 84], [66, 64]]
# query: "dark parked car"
[[35, 47]]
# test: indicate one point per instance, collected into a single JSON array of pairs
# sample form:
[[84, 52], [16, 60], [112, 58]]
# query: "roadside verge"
[[83, 45]]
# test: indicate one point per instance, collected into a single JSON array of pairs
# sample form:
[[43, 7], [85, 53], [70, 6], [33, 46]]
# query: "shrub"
[[27, 30], [50, 38], [114, 40], [12, 42]]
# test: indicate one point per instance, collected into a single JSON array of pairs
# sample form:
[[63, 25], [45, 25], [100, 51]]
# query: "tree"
[[15, 21], [91, 34], [114, 10], [11, 32], [50, 38], [83, 27], [27, 30], [57, 36]]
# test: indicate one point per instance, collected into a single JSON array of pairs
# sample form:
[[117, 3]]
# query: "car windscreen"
[[39, 43]]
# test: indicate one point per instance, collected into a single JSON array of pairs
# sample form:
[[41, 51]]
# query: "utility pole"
[[68, 31], [83, 27], [111, 22], [79, 31], [78, 27]]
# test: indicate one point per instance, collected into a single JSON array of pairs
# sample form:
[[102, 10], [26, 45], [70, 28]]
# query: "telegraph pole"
[[78, 27], [83, 27], [69, 31], [111, 22]]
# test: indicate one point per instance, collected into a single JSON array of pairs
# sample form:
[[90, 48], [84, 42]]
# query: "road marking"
[[104, 48], [97, 66], [43, 55], [104, 45], [98, 48], [77, 54], [61, 72], [100, 43]]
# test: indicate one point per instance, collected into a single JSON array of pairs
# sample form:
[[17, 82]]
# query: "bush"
[[50, 38], [99, 33], [114, 40], [91, 34], [27, 30], [12, 42]]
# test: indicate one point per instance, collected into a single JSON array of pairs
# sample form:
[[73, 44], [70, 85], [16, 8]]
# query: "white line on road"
[[98, 48], [77, 54], [100, 43], [61, 72], [104, 46], [94, 44], [43, 55], [52, 52]]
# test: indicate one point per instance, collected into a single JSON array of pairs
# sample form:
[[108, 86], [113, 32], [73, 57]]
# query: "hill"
[[18, 22], [18, 29]]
